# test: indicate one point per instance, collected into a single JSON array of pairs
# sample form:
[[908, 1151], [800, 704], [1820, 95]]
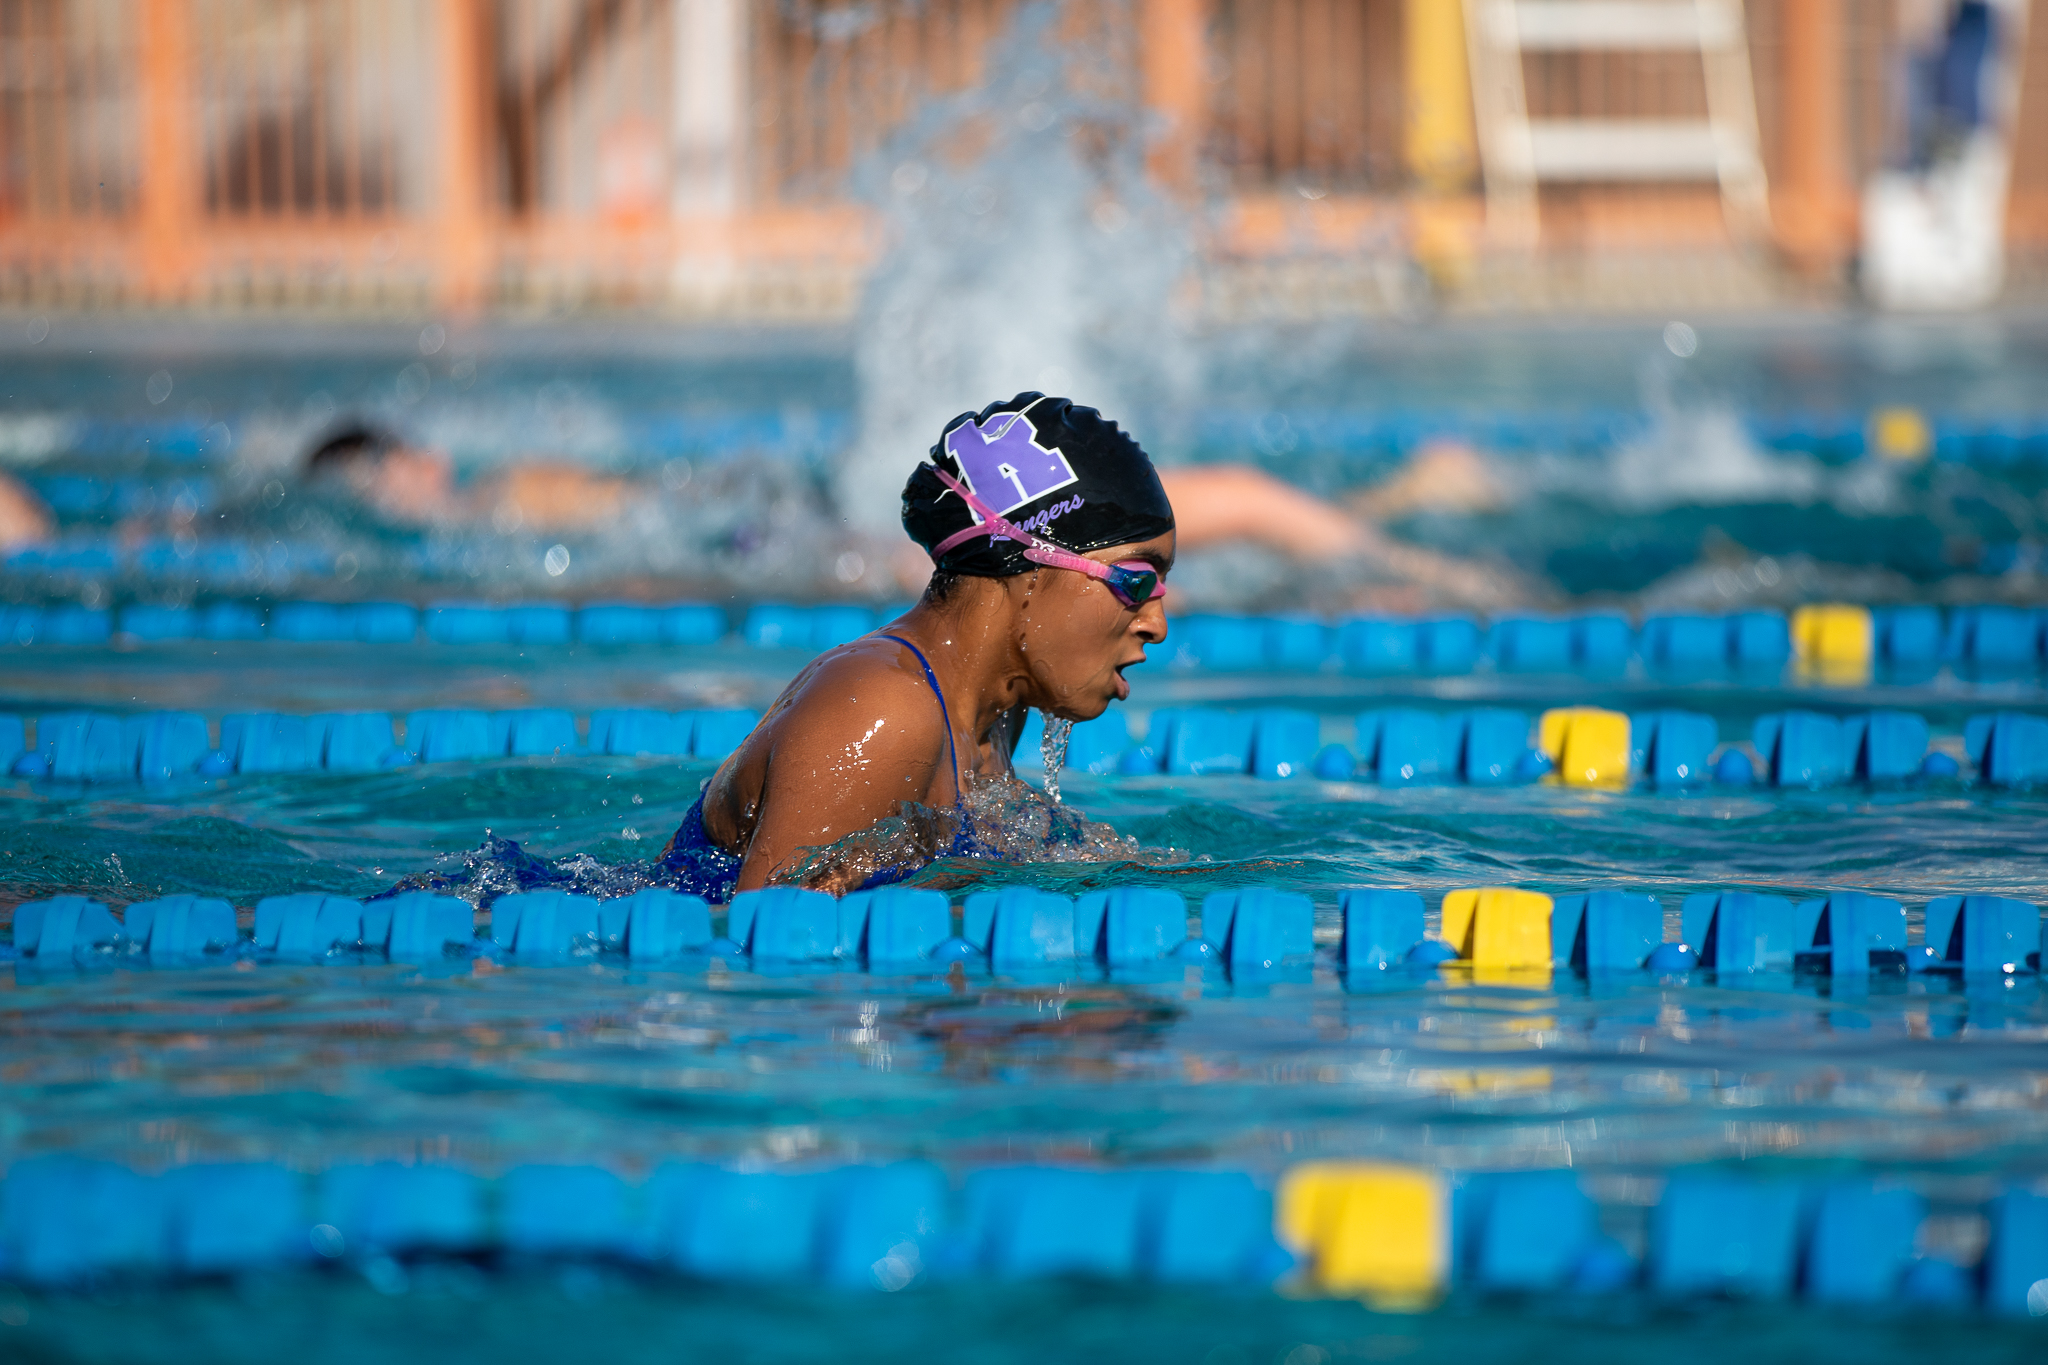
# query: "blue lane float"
[[1988, 641], [1381, 928], [1860, 1247], [1129, 926], [68, 1223], [1530, 645], [1259, 927], [307, 924], [443, 735], [1486, 746], [655, 923], [539, 623], [1021, 927], [618, 623], [785, 924], [182, 926], [1850, 932], [896, 925], [1981, 934], [2010, 748], [1283, 743], [1605, 931], [638, 733], [1196, 741], [535, 732], [1849, 935], [156, 746], [418, 924], [1670, 748], [545, 924], [1739, 931], [1811, 749], [1993, 636], [466, 623], [166, 743], [1722, 1235], [60, 928], [1527, 1232]]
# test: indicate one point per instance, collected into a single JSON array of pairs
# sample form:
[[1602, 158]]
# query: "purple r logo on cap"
[[1003, 464]]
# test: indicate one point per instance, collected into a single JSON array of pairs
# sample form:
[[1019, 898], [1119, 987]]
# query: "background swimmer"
[[23, 518], [907, 720], [1222, 504], [415, 485]]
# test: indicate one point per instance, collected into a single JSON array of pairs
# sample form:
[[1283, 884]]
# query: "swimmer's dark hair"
[[943, 584], [346, 444]]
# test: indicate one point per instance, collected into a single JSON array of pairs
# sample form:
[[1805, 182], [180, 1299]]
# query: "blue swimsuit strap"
[[933, 679]]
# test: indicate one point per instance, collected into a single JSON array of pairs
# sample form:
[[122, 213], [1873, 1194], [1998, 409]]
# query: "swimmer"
[[1222, 503], [1050, 539], [24, 521], [413, 485]]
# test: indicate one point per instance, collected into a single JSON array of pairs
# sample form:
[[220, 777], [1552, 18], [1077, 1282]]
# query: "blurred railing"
[[1309, 92], [694, 154]]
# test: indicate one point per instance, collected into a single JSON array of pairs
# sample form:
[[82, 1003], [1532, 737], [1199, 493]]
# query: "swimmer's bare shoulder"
[[853, 736]]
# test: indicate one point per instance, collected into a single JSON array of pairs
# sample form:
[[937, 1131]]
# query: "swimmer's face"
[[1078, 638]]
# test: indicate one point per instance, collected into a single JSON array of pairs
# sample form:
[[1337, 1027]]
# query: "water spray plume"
[[1027, 253]]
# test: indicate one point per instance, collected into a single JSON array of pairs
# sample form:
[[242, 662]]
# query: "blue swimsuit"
[[700, 866]]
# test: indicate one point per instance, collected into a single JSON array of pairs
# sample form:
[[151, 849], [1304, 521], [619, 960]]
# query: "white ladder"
[[1518, 152]]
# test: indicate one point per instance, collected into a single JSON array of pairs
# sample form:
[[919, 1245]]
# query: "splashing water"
[[1052, 747], [999, 821], [500, 867], [1042, 263]]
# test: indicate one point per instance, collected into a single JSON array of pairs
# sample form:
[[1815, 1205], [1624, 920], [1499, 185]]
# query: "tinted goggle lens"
[[1135, 583]]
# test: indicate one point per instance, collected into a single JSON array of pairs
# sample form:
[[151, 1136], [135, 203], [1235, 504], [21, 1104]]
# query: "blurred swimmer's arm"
[[23, 518], [1222, 502], [551, 496], [857, 741], [1217, 503]]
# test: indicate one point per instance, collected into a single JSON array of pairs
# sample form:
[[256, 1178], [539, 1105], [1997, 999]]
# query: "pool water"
[[1621, 480], [486, 1065], [1621, 467]]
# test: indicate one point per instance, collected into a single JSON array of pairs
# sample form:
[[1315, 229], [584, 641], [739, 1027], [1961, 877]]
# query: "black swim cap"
[[1065, 472]]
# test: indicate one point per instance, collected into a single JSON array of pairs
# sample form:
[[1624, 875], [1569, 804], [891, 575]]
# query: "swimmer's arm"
[[849, 754]]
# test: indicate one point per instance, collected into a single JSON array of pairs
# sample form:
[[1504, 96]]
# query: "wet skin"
[[858, 732]]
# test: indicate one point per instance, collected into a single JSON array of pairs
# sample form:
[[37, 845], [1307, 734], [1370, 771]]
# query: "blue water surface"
[[1936, 1082], [489, 1066]]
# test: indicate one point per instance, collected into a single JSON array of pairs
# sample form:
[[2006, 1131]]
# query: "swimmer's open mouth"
[[1123, 684]]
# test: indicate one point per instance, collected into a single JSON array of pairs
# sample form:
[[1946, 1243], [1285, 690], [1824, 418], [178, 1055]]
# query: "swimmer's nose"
[[1150, 625]]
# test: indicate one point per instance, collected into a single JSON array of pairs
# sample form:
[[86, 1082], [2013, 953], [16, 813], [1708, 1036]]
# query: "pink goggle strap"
[[998, 527], [994, 524]]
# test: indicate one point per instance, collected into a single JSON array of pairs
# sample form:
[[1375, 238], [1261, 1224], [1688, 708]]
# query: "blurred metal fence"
[[1309, 94], [312, 112], [694, 153]]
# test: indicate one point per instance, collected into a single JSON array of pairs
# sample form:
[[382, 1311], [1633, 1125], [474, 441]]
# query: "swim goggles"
[[1132, 582]]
